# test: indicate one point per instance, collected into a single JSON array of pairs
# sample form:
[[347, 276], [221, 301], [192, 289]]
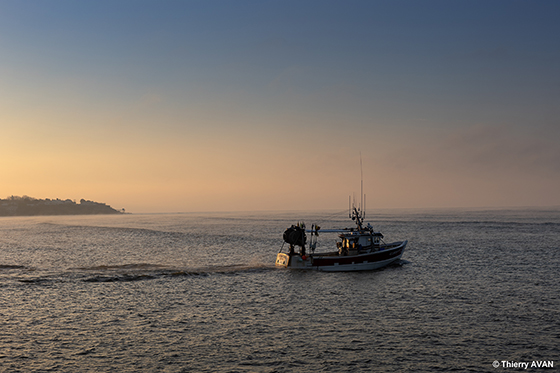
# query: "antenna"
[[361, 184]]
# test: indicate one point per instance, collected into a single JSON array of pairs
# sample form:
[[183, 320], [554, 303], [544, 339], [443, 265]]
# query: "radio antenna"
[[361, 185]]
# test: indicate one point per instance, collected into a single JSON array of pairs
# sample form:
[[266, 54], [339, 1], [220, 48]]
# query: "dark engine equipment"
[[295, 236]]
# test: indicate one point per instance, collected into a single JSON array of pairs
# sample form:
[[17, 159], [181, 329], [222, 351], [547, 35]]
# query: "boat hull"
[[339, 263]]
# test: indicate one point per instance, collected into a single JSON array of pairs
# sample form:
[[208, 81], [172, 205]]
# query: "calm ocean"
[[200, 293]]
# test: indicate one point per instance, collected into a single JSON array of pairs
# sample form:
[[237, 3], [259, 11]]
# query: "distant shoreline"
[[29, 206]]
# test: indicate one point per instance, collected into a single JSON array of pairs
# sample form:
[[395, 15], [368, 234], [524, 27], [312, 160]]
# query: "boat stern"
[[295, 261], [282, 260]]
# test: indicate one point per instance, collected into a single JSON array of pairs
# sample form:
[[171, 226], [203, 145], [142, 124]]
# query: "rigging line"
[[332, 215]]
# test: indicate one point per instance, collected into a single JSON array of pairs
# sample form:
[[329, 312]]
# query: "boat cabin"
[[356, 242]]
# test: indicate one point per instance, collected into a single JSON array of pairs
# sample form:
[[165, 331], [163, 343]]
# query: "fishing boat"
[[359, 248]]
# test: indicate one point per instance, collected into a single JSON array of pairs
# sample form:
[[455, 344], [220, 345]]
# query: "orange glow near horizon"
[[260, 174]]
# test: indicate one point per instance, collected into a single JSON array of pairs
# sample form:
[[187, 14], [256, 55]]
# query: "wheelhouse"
[[359, 240]]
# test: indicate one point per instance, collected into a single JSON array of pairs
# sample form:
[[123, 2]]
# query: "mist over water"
[[199, 292]]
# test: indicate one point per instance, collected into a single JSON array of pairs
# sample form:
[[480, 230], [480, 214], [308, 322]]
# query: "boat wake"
[[8, 267], [131, 272], [147, 272]]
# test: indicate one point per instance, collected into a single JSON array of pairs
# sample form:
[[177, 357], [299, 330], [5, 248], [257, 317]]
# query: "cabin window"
[[367, 241]]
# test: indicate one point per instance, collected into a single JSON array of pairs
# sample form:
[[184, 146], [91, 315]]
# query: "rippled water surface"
[[200, 293]]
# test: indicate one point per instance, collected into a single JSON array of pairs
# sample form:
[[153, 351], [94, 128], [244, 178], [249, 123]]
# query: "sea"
[[475, 291]]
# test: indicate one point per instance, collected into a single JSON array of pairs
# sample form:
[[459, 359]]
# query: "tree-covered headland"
[[28, 206]]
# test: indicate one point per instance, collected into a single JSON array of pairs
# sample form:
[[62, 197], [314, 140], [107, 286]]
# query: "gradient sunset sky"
[[168, 106]]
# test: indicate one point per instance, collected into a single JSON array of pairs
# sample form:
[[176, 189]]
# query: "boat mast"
[[357, 213], [364, 212], [362, 195]]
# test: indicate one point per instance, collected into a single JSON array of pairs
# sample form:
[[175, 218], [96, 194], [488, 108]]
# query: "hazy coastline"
[[29, 206]]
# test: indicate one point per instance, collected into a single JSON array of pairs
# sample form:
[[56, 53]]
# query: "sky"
[[178, 106]]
